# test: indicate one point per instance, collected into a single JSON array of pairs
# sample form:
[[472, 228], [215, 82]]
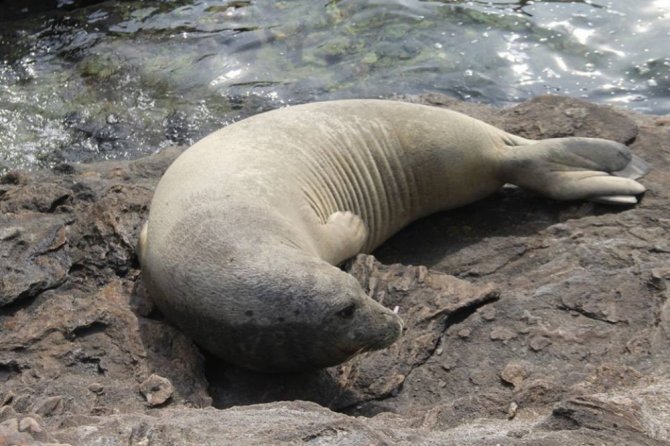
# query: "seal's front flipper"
[[343, 236], [576, 169]]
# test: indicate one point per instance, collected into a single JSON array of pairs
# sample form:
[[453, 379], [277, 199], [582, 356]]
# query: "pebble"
[[511, 410], [9, 233], [96, 388], [49, 406], [502, 334], [29, 424], [514, 373], [464, 333], [488, 313], [538, 343], [156, 390]]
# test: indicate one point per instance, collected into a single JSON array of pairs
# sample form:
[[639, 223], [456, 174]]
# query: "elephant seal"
[[247, 225]]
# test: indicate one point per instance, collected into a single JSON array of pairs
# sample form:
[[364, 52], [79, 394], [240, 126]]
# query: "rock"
[[488, 313], [25, 431], [29, 424], [514, 373], [49, 406], [33, 243], [7, 413], [464, 333], [96, 388], [157, 390], [512, 410], [547, 323], [10, 434], [502, 334], [622, 416], [539, 391], [13, 177], [538, 343], [556, 116]]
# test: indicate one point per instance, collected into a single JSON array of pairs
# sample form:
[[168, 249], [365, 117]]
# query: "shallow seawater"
[[122, 79]]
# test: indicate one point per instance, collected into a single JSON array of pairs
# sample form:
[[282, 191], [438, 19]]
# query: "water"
[[122, 79]]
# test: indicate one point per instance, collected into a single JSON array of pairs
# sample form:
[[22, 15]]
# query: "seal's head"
[[318, 318], [296, 314], [351, 323]]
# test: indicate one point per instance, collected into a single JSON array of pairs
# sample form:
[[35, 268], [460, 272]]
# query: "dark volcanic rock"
[[532, 322], [556, 116]]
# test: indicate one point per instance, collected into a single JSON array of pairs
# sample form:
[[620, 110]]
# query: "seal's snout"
[[389, 330], [375, 327], [395, 320], [398, 325]]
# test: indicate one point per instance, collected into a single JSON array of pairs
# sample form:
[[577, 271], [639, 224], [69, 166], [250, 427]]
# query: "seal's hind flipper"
[[636, 168], [576, 169], [620, 200]]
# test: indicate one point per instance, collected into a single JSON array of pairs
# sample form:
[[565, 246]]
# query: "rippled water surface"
[[121, 79]]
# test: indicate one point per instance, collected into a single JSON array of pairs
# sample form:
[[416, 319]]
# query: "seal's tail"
[[575, 168]]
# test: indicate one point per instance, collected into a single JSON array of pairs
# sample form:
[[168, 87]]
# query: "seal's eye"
[[347, 312]]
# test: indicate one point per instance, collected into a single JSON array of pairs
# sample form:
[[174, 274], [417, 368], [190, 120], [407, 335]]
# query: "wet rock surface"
[[528, 321]]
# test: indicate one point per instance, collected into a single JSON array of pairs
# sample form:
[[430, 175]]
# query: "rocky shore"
[[528, 321]]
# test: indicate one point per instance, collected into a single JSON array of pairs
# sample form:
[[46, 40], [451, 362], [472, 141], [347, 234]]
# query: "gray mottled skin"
[[246, 225]]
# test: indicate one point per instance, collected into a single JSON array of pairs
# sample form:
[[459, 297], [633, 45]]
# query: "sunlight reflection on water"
[[117, 80]]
